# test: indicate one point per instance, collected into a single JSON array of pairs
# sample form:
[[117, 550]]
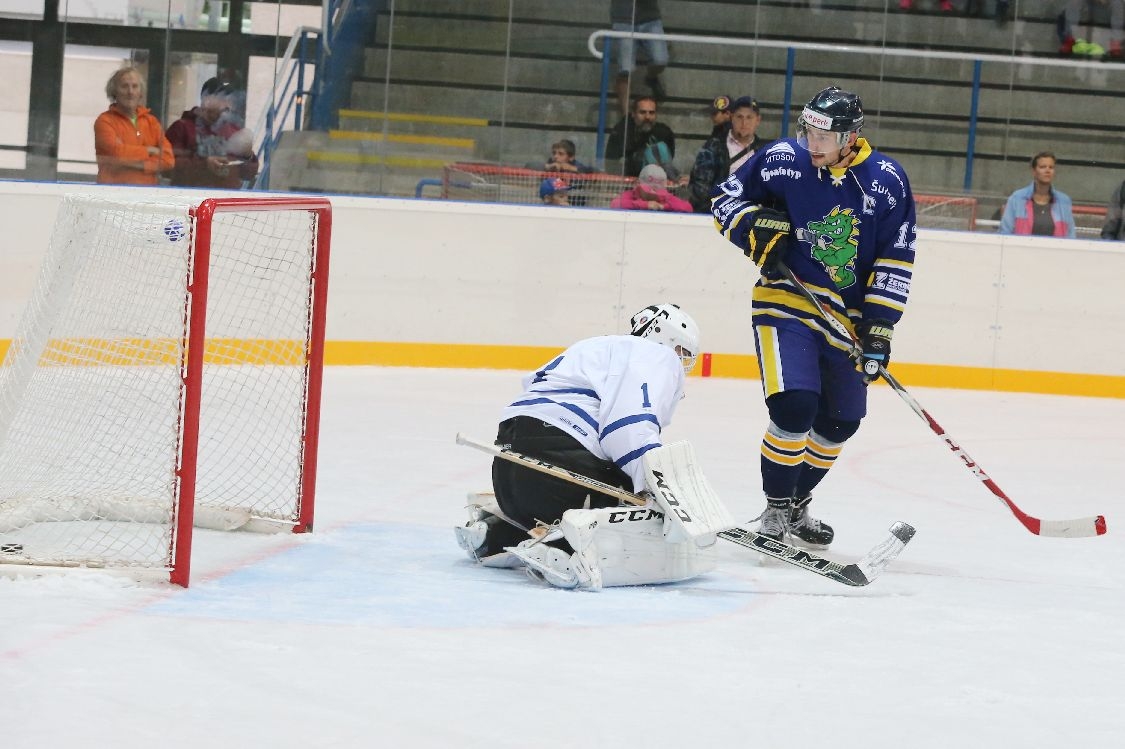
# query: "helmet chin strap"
[[845, 153]]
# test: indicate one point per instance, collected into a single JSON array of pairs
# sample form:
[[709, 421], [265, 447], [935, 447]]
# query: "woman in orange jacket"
[[128, 139]]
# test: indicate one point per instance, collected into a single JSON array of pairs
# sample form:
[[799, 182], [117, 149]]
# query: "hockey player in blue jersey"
[[840, 215]]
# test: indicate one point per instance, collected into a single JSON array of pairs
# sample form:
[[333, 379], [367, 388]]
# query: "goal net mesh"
[[92, 389]]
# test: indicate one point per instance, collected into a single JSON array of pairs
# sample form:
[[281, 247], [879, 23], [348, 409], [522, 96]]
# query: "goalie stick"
[[856, 574], [1076, 528]]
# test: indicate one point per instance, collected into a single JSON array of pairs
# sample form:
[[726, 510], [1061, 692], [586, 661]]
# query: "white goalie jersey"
[[614, 394]]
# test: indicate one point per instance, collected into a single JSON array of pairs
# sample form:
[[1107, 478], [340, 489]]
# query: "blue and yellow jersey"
[[853, 233]]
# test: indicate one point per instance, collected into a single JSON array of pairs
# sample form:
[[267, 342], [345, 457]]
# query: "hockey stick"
[[1076, 528], [857, 574]]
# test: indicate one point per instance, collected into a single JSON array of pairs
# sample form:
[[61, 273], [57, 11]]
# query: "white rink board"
[[467, 273]]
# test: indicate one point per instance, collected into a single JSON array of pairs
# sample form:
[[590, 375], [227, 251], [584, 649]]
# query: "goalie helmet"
[[669, 325], [833, 110]]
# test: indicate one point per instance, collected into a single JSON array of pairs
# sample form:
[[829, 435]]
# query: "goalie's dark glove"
[[768, 239], [874, 347]]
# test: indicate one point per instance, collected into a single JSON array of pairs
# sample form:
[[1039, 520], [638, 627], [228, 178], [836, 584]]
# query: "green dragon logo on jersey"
[[835, 244]]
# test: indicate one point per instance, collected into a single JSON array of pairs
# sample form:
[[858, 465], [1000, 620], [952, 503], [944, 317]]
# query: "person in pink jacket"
[[651, 194]]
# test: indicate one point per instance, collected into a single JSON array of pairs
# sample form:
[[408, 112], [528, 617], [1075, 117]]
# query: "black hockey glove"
[[875, 347], [767, 239]]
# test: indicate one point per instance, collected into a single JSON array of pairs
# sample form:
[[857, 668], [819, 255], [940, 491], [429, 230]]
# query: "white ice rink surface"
[[376, 631]]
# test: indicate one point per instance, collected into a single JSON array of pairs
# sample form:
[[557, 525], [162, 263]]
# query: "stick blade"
[[872, 565], [1077, 528]]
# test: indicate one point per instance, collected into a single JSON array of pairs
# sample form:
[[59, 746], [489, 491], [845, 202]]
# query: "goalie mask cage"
[[167, 369]]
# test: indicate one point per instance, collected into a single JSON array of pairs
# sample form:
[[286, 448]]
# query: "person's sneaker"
[[946, 6], [804, 528], [1067, 46], [1083, 48], [1115, 50], [657, 86], [905, 4], [774, 521]]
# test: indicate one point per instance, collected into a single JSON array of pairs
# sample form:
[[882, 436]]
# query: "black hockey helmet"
[[832, 110], [835, 110]]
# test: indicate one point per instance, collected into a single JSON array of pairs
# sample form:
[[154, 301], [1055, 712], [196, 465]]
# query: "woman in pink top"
[[651, 194]]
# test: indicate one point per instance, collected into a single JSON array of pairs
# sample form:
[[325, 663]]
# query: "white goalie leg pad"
[[692, 509], [627, 546]]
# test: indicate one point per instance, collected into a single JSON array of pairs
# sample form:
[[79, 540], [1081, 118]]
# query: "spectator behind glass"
[[642, 16], [725, 151], [945, 6], [651, 194], [641, 140], [554, 191], [719, 112], [211, 146], [1069, 18], [1114, 227], [562, 159], [129, 142], [1039, 208]]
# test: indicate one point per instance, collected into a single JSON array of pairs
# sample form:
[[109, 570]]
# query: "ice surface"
[[376, 631]]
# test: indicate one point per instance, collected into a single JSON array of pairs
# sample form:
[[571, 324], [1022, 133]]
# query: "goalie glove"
[[768, 239], [874, 347]]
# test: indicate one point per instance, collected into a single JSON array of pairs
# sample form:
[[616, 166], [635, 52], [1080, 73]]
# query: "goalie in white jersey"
[[596, 409]]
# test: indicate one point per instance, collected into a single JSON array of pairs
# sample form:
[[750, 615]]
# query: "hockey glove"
[[767, 239], [874, 347]]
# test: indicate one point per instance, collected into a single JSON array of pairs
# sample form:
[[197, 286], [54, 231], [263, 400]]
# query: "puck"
[[10, 548]]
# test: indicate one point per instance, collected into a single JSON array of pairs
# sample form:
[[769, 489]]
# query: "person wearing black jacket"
[[1114, 227], [640, 140], [728, 147]]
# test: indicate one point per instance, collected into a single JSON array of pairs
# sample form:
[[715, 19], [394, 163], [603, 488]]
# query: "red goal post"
[[167, 372]]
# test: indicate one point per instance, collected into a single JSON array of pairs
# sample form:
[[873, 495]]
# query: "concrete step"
[[318, 162]]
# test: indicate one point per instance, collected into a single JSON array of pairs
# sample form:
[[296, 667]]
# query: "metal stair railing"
[[291, 84]]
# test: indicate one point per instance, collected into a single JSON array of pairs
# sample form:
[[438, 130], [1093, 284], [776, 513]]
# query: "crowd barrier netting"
[[495, 183]]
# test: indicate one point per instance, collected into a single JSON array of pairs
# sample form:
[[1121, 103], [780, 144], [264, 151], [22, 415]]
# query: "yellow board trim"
[[406, 117], [437, 355], [125, 352], [739, 366]]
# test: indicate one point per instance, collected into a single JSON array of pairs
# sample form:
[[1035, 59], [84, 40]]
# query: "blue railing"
[[793, 47], [286, 105]]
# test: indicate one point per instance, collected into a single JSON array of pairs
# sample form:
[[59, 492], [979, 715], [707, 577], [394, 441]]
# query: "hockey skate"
[[471, 536], [480, 541], [806, 530], [775, 519]]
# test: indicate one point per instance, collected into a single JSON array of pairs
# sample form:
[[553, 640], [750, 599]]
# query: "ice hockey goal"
[[166, 370]]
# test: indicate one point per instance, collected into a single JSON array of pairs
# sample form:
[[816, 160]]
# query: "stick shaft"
[[1077, 528], [552, 470]]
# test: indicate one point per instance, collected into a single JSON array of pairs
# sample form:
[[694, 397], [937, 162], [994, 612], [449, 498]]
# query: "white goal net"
[[167, 368]]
